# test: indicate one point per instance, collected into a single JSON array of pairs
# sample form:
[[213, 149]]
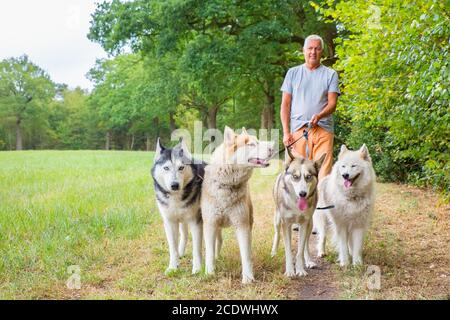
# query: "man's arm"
[[329, 108], [285, 115]]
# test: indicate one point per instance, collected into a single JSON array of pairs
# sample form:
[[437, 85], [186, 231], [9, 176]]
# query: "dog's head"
[[353, 167], [301, 175], [245, 149], [172, 167]]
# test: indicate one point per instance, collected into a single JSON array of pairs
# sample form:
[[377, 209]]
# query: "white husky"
[[351, 189]]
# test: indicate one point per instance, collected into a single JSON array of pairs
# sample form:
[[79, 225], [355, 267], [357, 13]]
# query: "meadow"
[[96, 210]]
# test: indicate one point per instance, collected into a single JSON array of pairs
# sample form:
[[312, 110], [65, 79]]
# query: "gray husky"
[[178, 181], [295, 195]]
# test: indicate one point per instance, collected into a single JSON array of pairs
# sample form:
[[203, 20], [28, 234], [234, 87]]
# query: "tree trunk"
[[147, 144], [212, 117], [108, 140], [270, 112], [172, 124], [156, 124], [264, 118], [132, 142], [19, 145]]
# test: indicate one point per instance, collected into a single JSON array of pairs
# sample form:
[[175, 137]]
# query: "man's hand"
[[287, 138], [314, 120]]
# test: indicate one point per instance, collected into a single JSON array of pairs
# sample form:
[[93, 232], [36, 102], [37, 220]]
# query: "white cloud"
[[53, 33]]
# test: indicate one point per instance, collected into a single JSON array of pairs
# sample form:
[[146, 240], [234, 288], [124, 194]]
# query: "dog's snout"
[[345, 176], [302, 194], [175, 186]]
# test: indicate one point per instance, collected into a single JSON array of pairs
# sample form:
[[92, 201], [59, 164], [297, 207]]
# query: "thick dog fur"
[[351, 189], [178, 182], [226, 198], [297, 182]]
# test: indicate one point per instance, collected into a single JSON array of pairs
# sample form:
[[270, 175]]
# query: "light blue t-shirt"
[[309, 90]]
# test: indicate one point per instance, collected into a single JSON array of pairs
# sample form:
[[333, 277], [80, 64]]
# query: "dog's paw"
[[273, 254], [301, 272], [310, 264], [196, 269], [209, 271], [290, 273], [170, 271], [247, 278], [321, 254]]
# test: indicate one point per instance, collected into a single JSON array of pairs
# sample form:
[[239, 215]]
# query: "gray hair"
[[313, 37]]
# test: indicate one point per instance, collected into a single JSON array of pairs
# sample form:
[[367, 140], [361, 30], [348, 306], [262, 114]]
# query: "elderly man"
[[310, 94]]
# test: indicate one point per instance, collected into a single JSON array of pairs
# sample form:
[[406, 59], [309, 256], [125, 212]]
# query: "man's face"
[[313, 52]]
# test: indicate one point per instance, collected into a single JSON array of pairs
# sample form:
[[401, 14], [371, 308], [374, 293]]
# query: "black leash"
[[325, 208], [305, 135]]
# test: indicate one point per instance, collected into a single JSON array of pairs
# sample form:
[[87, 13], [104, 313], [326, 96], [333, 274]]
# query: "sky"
[[53, 33]]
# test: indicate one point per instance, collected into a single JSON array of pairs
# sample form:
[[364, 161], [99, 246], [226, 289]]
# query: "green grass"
[[60, 208], [96, 209]]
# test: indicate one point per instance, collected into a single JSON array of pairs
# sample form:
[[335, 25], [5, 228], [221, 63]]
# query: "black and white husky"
[[177, 182]]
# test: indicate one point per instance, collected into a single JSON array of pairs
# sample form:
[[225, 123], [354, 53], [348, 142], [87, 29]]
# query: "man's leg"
[[323, 143]]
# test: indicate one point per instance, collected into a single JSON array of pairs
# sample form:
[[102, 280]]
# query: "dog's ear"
[[244, 131], [318, 163], [364, 153], [288, 158], [229, 136], [184, 149], [159, 150], [343, 150]]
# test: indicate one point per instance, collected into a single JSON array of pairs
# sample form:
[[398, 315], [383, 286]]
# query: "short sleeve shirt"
[[309, 90]]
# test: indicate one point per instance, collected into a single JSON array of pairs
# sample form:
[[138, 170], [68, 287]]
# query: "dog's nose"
[[346, 176], [175, 186], [302, 194]]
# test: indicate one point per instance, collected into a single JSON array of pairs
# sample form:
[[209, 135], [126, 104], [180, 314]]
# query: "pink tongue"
[[302, 204], [347, 183]]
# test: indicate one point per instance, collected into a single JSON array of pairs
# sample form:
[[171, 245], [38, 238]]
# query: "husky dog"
[[351, 189], [178, 181], [225, 197], [295, 195]]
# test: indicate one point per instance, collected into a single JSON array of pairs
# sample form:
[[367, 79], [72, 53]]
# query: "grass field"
[[96, 210]]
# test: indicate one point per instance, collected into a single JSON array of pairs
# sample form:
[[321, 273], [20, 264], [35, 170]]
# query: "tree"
[[224, 46], [25, 91], [394, 58]]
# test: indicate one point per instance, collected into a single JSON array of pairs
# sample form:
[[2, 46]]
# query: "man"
[[310, 94]]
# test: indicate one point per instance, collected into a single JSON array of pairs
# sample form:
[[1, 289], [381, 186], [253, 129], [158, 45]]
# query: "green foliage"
[[25, 91], [394, 56]]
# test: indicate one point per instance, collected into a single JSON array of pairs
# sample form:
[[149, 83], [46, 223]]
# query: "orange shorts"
[[320, 141]]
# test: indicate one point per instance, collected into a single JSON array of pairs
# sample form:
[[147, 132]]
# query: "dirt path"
[[321, 283]]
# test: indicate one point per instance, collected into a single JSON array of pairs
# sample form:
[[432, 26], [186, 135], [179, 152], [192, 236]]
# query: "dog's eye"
[[166, 168], [353, 165], [308, 177], [252, 144], [181, 168], [343, 166], [295, 177]]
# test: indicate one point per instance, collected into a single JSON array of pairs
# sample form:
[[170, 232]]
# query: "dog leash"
[[325, 208], [304, 135]]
